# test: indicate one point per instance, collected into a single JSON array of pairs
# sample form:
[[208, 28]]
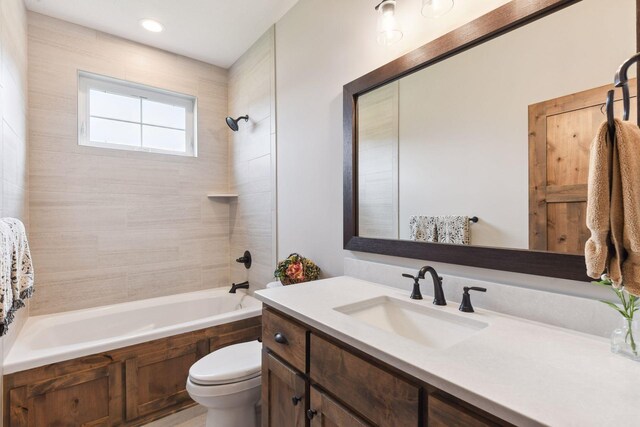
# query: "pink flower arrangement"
[[296, 269]]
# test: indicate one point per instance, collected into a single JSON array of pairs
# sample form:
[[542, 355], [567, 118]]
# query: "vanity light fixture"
[[388, 28], [151, 25], [436, 8]]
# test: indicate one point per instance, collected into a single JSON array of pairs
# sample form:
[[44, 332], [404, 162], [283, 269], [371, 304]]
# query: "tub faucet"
[[234, 287], [438, 293]]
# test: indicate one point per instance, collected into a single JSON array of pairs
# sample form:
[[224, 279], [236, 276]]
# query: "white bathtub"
[[56, 337]]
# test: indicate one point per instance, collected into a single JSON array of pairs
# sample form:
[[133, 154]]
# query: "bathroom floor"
[[192, 417]]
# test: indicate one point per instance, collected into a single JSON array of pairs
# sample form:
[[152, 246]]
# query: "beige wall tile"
[[252, 155], [108, 225], [73, 290]]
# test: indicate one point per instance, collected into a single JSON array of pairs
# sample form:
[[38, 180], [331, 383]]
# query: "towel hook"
[[610, 114], [622, 81]]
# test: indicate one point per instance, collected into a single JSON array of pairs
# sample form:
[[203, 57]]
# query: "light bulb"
[[388, 28], [436, 8]]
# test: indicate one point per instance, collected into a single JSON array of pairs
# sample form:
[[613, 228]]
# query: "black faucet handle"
[[465, 305], [415, 293]]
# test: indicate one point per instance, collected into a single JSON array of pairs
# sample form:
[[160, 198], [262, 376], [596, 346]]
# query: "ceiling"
[[214, 31]]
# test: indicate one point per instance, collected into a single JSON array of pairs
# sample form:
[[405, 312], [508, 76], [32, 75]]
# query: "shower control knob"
[[245, 259], [280, 338]]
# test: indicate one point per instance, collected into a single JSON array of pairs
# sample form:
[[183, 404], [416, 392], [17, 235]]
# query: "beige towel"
[[613, 207]]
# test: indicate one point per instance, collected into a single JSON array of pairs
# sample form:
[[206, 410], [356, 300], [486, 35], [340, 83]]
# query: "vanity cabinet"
[[312, 380]]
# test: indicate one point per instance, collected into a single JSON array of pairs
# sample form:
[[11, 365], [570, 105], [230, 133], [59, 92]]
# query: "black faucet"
[[438, 293], [465, 305], [234, 287], [437, 285]]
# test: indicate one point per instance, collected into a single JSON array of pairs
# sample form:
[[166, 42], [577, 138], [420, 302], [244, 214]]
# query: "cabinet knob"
[[280, 338], [296, 400], [311, 413]]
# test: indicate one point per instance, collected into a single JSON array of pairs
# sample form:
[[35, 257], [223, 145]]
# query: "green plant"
[[630, 305], [296, 269]]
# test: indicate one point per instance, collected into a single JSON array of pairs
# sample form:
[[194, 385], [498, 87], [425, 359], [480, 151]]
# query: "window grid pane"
[[161, 138], [165, 115], [114, 132], [136, 117], [114, 106]]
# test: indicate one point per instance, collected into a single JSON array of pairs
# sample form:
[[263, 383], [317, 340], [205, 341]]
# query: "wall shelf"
[[222, 195]]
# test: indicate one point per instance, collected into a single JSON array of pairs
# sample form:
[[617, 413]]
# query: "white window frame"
[[90, 81]]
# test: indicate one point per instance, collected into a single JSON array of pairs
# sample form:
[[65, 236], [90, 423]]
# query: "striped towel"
[[16, 270]]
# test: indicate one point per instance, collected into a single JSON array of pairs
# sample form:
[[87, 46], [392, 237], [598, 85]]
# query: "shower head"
[[233, 123]]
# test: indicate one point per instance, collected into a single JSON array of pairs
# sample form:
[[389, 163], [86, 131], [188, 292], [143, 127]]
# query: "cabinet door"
[[87, 398], [326, 412], [157, 381], [283, 394]]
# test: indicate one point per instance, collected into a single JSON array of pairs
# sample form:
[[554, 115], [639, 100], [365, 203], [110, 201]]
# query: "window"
[[128, 116]]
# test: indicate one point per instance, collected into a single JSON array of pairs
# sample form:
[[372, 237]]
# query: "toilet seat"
[[229, 365], [208, 391]]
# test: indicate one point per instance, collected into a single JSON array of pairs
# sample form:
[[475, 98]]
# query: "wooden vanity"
[[310, 379]]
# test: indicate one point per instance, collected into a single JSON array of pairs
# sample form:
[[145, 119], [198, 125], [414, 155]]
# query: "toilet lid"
[[231, 364]]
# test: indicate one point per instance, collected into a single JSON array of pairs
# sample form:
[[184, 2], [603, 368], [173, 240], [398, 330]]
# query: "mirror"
[[500, 132]]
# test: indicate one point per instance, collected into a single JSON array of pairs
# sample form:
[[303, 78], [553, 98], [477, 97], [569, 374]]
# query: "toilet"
[[227, 383]]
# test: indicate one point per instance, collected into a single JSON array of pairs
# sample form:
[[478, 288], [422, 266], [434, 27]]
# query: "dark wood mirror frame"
[[496, 23]]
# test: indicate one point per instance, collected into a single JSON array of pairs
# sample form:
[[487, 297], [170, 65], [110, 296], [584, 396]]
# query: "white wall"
[[464, 121], [322, 45]]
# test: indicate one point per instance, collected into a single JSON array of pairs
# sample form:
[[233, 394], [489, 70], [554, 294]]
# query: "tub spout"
[[234, 287]]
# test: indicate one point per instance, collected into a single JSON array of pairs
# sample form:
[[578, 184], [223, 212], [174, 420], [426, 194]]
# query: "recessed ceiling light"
[[436, 8], [151, 25]]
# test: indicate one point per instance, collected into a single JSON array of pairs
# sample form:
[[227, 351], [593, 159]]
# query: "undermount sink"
[[428, 326]]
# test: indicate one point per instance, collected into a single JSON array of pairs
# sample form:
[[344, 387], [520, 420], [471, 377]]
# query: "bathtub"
[[58, 337]]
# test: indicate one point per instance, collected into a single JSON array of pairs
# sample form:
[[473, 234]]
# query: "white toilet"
[[227, 383]]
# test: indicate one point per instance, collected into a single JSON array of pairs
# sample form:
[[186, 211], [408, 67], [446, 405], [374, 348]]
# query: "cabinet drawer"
[[285, 338], [446, 413], [384, 398]]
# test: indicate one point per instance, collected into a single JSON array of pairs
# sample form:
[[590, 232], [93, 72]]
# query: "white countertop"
[[524, 372]]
